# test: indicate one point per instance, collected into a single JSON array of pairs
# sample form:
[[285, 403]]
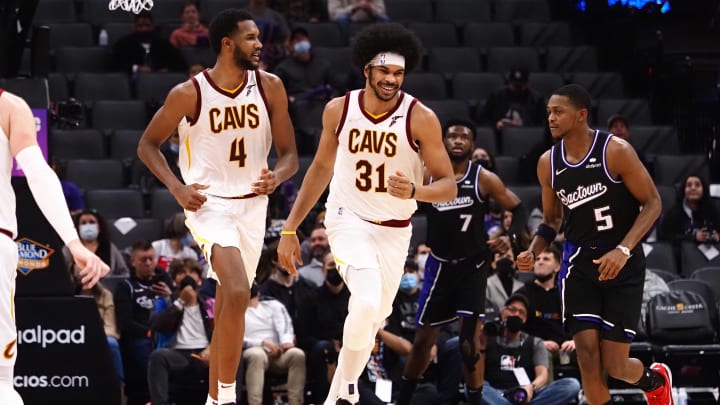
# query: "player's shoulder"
[[12, 102], [617, 146], [188, 88], [336, 105], [268, 78]]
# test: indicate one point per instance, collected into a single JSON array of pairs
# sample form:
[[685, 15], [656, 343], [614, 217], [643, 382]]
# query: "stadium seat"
[[195, 55], [460, 12], [307, 115], [124, 143], [117, 30], [502, 59], [636, 110], [108, 114], [448, 61], [545, 34], [473, 87], [211, 8], [545, 83], [111, 282], [519, 11], [91, 59], [409, 10], [669, 170], [169, 12], [71, 34], [485, 138], [419, 229], [58, 87], [508, 168], [518, 141], [77, 144], [425, 86], [488, 35], [97, 13], [149, 229], [340, 59], [435, 34], [668, 196], [531, 196], [116, 203], [91, 87], [163, 204], [448, 109], [709, 275], [665, 275], [655, 140], [661, 257], [95, 174], [704, 289], [154, 87], [326, 34], [561, 59], [601, 85], [55, 11], [34, 91]]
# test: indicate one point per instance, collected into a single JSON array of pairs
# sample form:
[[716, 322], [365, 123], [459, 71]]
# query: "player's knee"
[[364, 308]]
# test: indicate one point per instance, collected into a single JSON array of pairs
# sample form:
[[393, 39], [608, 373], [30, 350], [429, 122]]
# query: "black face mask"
[[188, 281], [254, 292], [282, 272], [513, 324], [505, 268], [333, 277], [544, 278], [484, 163]]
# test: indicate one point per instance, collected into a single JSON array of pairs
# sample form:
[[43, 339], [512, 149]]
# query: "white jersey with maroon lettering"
[[370, 150], [7, 194], [227, 144]]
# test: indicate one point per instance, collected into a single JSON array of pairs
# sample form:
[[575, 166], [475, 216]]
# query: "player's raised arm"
[[282, 128]]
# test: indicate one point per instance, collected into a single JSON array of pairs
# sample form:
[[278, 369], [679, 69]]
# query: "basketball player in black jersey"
[[456, 270], [595, 183]]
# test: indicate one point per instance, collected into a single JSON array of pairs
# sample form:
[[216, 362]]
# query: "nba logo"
[[507, 362], [382, 58]]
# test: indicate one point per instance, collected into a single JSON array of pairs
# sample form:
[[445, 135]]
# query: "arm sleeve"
[[47, 192]]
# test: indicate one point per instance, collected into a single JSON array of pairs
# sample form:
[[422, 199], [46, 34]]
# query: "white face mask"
[[422, 258], [89, 232]]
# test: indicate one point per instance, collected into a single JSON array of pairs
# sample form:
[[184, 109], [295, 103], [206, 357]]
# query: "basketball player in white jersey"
[[371, 146], [18, 139], [228, 117]]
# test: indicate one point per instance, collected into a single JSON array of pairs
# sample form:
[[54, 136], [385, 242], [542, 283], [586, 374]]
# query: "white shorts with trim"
[[226, 222], [8, 331]]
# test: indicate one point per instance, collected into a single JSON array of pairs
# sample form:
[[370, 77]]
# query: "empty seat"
[[502, 59], [545, 34], [665, 275], [661, 257], [636, 110], [453, 60], [58, 87], [149, 229], [116, 203], [488, 35], [340, 58], [601, 85], [107, 115], [77, 144], [462, 11], [102, 86], [419, 229], [124, 142], [97, 13], [571, 59], [508, 168], [117, 30], [425, 86], [168, 12], [529, 195], [709, 275], [485, 138], [448, 109], [211, 8], [436, 34], [82, 59], [324, 33], [155, 86], [55, 11], [545, 83], [692, 260], [518, 141], [668, 196], [195, 55], [95, 174], [34, 91], [656, 140], [409, 10], [669, 170], [163, 204], [472, 87], [72, 34], [518, 11]]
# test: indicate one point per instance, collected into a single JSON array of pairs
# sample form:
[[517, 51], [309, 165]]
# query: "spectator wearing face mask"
[[420, 254], [176, 245], [305, 76], [503, 283], [484, 158], [94, 235]]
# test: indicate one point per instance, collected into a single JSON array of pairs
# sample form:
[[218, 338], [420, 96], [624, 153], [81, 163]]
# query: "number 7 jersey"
[[227, 144], [370, 150]]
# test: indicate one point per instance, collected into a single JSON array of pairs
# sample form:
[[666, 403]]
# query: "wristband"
[[288, 233], [412, 193], [179, 304], [546, 232]]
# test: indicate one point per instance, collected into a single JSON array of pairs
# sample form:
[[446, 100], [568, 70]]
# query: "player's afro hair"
[[386, 37]]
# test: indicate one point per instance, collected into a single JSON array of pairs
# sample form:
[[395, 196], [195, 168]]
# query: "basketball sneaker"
[[343, 401], [661, 395]]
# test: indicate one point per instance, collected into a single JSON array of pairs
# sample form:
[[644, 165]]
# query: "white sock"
[[210, 401], [226, 392]]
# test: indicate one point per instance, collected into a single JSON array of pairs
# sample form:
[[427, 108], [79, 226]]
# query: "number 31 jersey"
[[370, 150], [598, 209], [227, 144]]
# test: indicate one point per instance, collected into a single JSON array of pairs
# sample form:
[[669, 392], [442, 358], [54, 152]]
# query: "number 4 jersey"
[[370, 150], [598, 209], [227, 144]]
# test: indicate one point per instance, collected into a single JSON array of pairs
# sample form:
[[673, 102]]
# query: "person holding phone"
[[134, 304]]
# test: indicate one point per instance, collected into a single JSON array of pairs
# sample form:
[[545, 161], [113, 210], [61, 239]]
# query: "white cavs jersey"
[[370, 151], [7, 194], [227, 144]]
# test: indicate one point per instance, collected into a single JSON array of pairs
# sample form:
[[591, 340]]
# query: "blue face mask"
[[408, 282], [302, 47], [174, 148], [186, 240]]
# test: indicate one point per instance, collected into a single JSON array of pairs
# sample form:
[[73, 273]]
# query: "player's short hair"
[[386, 37], [224, 25], [459, 122], [578, 96]]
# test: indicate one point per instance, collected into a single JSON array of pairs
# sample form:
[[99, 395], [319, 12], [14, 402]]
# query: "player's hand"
[[568, 346], [400, 186], [525, 261], [265, 184], [551, 346], [189, 196], [161, 289], [288, 251], [610, 264], [92, 267], [500, 244]]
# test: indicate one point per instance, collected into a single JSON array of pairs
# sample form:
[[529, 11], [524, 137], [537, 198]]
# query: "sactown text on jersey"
[[581, 195]]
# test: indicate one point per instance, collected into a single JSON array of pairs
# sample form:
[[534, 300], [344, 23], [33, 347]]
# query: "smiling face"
[[245, 45], [693, 189], [384, 80], [563, 116]]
